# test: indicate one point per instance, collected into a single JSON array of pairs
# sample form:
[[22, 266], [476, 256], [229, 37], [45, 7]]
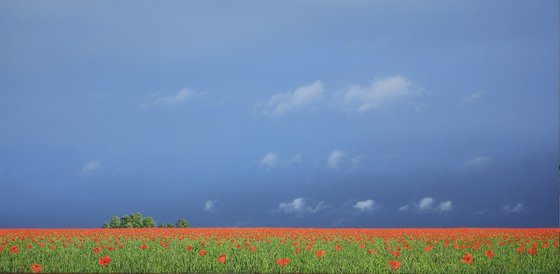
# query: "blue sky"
[[280, 113]]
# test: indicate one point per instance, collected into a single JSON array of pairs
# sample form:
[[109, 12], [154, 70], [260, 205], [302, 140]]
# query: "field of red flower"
[[280, 250]]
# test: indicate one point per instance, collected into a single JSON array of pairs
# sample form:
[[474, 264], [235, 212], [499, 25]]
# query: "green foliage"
[[182, 223], [148, 222], [136, 220]]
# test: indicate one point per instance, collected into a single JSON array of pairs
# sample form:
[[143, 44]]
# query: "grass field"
[[280, 250]]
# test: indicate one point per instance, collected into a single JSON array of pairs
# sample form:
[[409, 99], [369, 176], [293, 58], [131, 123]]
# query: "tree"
[[115, 222], [182, 223], [126, 222], [137, 220], [148, 222]]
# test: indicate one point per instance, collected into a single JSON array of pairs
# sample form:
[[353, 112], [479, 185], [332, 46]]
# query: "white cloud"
[[299, 206], [90, 167], [269, 160], [473, 97], [285, 103], [159, 100], [428, 205], [273, 160], [445, 206], [478, 162], [518, 208], [335, 158], [404, 208], [365, 206], [210, 205], [380, 92]]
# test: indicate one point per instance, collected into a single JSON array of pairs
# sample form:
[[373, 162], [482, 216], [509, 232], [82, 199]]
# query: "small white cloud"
[[335, 158], [380, 92], [478, 162], [473, 97], [90, 167], [285, 103], [210, 205], [299, 206], [269, 160], [518, 208], [428, 205], [159, 100], [404, 208], [365, 206], [445, 206]]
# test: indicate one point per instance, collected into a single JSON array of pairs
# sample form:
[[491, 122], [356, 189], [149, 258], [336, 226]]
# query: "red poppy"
[[489, 253], [468, 259], [111, 248], [253, 248], [143, 246], [96, 250], [298, 250], [14, 249], [104, 261], [395, 253], [362, 245], [36, 268], [282, 262], [532, 250], [28, 246], [222, 258], [394, 265], [51, 247], [189, 248], [337, 247], [428, 248], [320, 253], [202, 252]]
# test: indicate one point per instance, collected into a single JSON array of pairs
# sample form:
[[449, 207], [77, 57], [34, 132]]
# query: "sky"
[[280, 113]]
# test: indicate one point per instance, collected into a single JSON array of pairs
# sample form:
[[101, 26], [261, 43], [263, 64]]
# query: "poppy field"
[[284, 250]]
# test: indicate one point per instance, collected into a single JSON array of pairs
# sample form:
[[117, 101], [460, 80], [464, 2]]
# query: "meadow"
[[280, 250]]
